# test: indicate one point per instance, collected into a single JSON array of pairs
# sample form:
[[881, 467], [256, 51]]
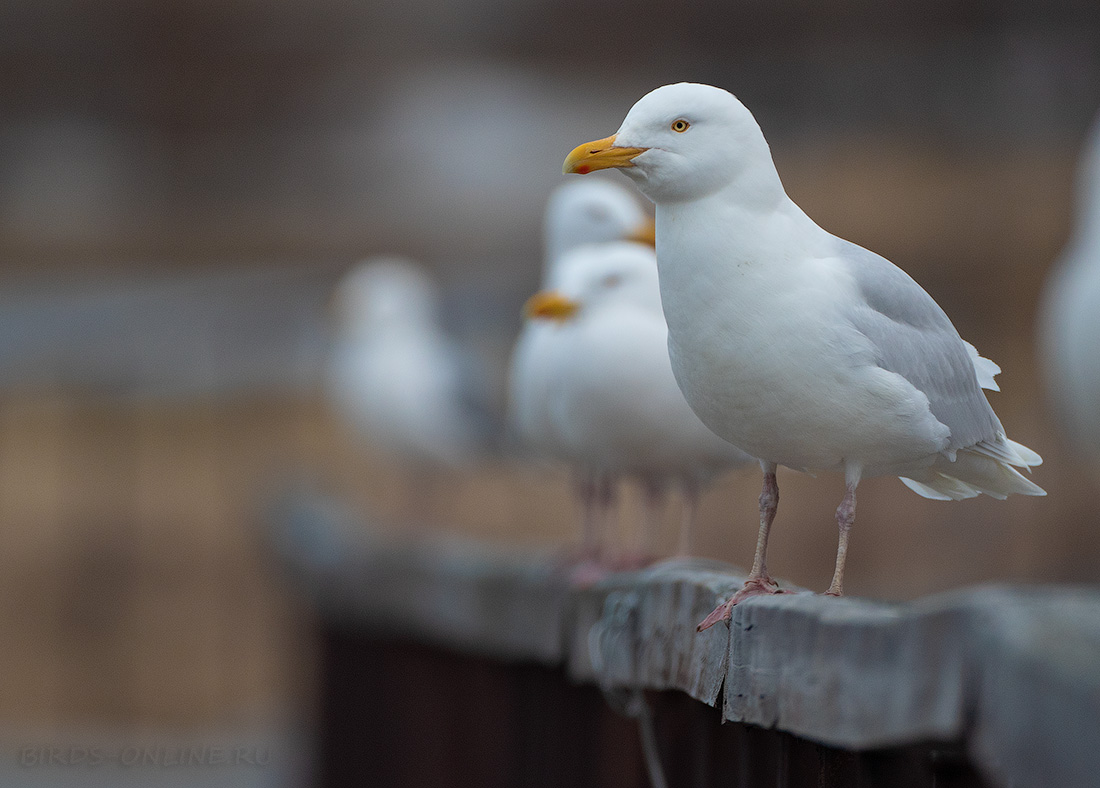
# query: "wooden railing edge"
[[1012, 672]]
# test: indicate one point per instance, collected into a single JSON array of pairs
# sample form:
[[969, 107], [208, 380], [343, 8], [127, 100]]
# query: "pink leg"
[[758, 582], [582, 564], [585, 486], [687, 521], [645, 549], [845, 516], [597, 493], [607, 500]]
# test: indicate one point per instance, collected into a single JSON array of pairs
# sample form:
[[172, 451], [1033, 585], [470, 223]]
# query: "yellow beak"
[[550, 305], [599, 155], [644, 234]]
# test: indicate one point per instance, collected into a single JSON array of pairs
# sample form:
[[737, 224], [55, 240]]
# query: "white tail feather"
[[929, 492], [983, 368], [1027, 457], [976, 470]]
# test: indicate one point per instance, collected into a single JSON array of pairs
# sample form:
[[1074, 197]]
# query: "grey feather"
[[914, 338]]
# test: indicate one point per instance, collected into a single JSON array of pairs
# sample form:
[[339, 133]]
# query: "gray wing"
[[914, 338]]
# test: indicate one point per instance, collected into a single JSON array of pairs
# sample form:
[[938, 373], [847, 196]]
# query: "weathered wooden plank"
[[1037, 701], [1013, 672], [646, 634], [848, 672]]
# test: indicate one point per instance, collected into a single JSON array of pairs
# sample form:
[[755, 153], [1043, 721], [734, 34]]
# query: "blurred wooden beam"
[[1013, 673]]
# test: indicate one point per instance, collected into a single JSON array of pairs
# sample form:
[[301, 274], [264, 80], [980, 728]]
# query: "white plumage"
[[395, 378], [588, 212], [1071, 316], [799, 347], [613, 407], [579, 213], [614, 402]]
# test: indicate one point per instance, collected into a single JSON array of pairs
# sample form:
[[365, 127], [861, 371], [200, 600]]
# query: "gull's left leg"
[[845, 516]]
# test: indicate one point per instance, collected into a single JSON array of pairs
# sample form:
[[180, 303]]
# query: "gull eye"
[[680, 126], [611, 280]]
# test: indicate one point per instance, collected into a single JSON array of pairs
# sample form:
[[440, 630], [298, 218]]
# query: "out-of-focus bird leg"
[[588, 567], [584, 485], [607, 500], [690, 508], [845, 516], [644, 550], [758, 582], [653, 502]]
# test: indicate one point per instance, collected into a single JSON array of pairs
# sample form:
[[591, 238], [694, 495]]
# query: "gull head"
[[597, 277], [592, 211], [383, 293], [679, 143]]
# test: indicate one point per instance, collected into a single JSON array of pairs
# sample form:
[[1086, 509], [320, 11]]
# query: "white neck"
[[736, 246], [751, 220], [757, 185]]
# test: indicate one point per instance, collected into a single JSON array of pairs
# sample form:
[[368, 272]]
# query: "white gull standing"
[[590, 212], [799, 347], [614, 407], [1071, 316], [577, 214], [408, 390]]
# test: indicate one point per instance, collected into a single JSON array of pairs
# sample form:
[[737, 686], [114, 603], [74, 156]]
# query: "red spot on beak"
[[583, 169]]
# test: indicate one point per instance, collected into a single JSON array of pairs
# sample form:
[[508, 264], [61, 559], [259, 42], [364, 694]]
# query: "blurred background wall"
[[181, 184]]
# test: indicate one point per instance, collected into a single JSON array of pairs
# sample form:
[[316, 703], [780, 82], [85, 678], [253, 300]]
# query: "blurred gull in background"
[[597, 213], [614, 408], [576, 214], [405, 388], [590, 212], [1071, 316], [796, 345]]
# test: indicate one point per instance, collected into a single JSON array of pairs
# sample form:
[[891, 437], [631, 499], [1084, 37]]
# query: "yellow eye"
[[680, 125]]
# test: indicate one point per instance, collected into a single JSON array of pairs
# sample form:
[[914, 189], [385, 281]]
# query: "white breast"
[[762, 353]]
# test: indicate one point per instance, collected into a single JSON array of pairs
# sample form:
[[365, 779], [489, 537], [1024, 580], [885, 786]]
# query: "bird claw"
[[720, 613], [753, 587]]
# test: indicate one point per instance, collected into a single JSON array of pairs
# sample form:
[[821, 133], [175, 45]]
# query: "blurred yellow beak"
[[550, 305], [599, 155], [644, 234]]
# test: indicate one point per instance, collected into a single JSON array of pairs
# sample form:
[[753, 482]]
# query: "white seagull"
[[1071, 315], [613, 404], [590, 212], [404, 386], [799, 347], [577, 214]]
